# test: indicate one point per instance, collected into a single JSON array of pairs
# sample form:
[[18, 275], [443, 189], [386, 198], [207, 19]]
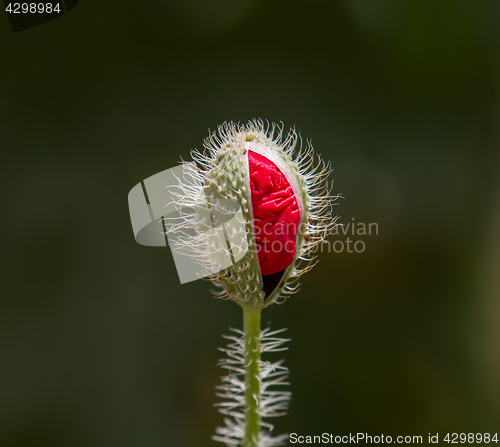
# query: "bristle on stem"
[[249, 389]]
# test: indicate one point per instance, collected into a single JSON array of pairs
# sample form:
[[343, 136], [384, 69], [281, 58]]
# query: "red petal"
[[276, 214]]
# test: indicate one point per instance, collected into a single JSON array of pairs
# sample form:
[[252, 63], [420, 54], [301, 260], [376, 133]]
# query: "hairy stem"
[[251, 328]]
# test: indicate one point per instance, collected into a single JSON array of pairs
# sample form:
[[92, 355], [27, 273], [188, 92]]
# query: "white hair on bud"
[[221, 170]]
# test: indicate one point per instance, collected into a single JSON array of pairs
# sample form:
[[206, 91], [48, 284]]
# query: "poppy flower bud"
[[285, 209]]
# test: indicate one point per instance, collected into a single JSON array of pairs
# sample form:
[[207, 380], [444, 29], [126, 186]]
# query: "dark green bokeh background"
[[99, 343]]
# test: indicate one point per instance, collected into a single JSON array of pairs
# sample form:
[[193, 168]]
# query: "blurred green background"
[[99, 343]]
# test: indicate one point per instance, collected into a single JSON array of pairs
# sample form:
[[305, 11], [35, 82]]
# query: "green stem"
[[251, 327]]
